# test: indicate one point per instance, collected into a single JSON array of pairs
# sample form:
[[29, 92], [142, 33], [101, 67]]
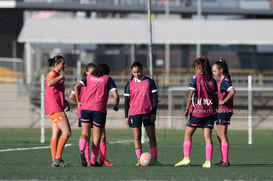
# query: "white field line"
[[30, 148], [67, 145]]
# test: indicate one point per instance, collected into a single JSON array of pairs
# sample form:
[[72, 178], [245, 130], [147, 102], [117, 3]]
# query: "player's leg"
[[83, 141], [54, 139], [99, 120], [103, 147], [87, 146], [136, 124], [95, 145], [137, 141], [187, 144], [224, 144], [209, 147], [86, 116], [222, 127], [153, 143], [64, 126]]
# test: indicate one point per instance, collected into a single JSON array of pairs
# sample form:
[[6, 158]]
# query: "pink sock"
[[138, 152], [209, 150], [225, 150], [154, 153], [102, 151], [87, 152], [82, 143], [187, 148], [94, 155], [221, 150]]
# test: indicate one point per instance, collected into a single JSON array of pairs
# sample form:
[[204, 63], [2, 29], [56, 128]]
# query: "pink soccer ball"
[[146, 159]]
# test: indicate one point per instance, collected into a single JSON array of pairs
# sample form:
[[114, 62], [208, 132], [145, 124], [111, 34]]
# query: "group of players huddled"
[[207, 102]]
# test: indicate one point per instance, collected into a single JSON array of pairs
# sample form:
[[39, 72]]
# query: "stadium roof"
[[135, 31]]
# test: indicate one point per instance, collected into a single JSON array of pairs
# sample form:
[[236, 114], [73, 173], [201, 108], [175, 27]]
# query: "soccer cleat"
[[184, 162], [63, 164], [59, 163], [222, 164], [95, 165], [82, 159], [107, 163], [138, 164], [55, 163], [206, 164], [156, 163]]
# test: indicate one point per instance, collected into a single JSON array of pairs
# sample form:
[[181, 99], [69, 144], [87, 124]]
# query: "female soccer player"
[[201, 107], [93, 105], [55, 105], [141, 103], [225, 108], [86, 128]]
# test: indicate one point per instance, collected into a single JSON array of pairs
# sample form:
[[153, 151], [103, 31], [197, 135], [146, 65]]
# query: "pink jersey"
[[140, 97], [202, 100], [96, 93], [54, 95], [224, 87]]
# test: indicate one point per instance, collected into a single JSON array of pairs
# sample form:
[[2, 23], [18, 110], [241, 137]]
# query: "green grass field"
[[248, 162]]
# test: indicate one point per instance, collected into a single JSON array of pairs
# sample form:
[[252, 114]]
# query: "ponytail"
[[206, 68], [87, 67], [55, 60], [222, 64]]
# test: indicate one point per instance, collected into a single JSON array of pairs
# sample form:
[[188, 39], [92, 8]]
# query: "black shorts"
[[137, 120], [96, 118], [80, 123], [224, 118], [205, 122]]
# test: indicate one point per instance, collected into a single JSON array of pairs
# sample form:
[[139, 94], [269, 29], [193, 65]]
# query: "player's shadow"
[[252, 165], [232, 165]]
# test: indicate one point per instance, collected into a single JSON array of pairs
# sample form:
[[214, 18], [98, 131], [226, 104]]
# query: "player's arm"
[[111, 85], [154, 95], [116, 97], [77, 88], [72, 96], [52, 79], [189, 102], [227, 85], [127, 103], [229, 96], [77, 93], [192, 89]]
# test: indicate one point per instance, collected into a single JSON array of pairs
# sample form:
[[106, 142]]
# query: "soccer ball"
[[146, 159]]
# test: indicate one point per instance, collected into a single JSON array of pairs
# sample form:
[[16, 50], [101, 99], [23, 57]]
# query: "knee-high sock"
[[225, 150], [221, 150], [102, 151], [53, 147], [154, 153], [209, 150], [87, 152], [82, 144], [187, 148], [60, 147], [138, 152], [94, 155]]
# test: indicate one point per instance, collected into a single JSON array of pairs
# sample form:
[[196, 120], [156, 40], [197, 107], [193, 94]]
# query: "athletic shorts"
[[137, 120], [205, 122], [96, 118], [80, 123], [57, 117], [224, 118]]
